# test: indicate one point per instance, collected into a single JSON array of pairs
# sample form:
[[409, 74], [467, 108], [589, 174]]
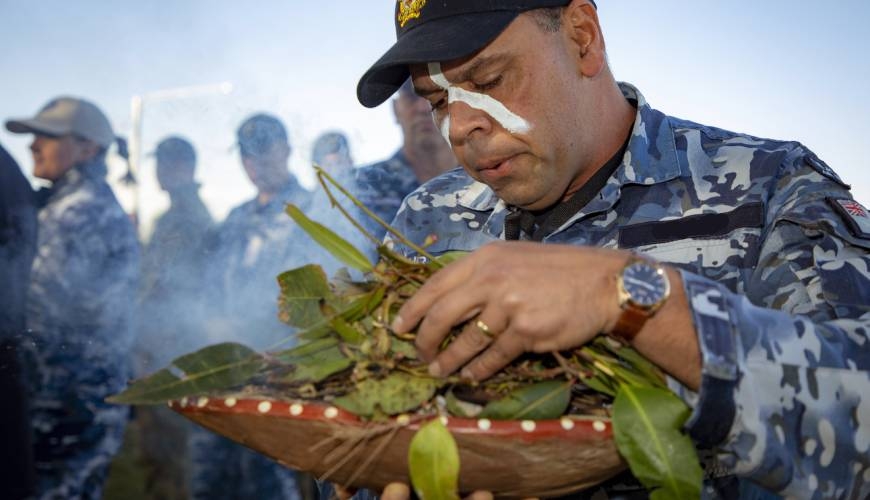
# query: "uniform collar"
[[89, 171], [650, 158]]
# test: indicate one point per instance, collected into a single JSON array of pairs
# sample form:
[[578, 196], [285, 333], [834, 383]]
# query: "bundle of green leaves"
[[347, 355]]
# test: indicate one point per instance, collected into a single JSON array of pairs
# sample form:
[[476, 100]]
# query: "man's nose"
[[465, 120]]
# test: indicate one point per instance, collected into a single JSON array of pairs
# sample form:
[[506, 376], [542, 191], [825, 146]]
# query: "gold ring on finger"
[[485, 329]]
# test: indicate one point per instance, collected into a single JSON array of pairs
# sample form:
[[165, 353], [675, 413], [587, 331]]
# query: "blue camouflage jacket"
[[255, 244], [382, 186], [775, 258], [83, 283]]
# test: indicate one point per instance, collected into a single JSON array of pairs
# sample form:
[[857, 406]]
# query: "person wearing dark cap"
[[331, 152], [255, 243], [739, 265], [17, 248], [80, 301], [424, 154], [171, 310]]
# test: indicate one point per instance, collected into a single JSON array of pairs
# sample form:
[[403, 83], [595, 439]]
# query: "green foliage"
[[331, 242], [647, 425], [348, 355], [397, 393], [433, 462], [539, 401], [220, 366], [303, 290]]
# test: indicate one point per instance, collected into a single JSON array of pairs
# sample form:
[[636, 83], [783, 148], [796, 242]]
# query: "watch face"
[[646, 285]]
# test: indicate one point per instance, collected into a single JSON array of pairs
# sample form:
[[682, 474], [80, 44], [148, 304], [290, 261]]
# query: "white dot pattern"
[[264, 407]]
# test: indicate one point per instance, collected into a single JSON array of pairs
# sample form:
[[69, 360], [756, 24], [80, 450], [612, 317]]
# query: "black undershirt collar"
[[538, 225]]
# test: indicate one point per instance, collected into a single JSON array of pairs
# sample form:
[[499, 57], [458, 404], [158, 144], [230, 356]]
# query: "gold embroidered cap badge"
[[409, 9]]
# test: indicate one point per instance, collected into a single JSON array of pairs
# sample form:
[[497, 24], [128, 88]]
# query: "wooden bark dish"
[[510, 458]]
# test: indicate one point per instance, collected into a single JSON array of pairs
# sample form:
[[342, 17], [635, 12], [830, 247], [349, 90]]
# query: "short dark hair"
[[548, 19], [257, 134], [176, 148]]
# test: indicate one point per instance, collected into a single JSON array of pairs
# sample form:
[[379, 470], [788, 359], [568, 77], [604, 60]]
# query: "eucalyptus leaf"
[[433, 462], [213, 368], [354, 310], [302, 290], [305, 349], [397, 393], [346, 331], [543, 400], [319, 365], [647, 428], [403, 348], [330, 241]]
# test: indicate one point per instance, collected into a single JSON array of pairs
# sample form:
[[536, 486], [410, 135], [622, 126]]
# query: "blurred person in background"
[[17, 246], [255, 243], [171, 313], [331, 151], [424, 154], [173, 261], [80, 301]]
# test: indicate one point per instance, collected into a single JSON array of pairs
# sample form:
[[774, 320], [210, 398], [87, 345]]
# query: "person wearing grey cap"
[[79, 309], [738, 265], [255, 243]]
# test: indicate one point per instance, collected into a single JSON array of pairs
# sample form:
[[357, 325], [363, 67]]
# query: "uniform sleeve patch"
[[856, 216]]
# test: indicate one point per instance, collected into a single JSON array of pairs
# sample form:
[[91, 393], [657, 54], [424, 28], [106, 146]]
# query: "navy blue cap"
[[439, 30]]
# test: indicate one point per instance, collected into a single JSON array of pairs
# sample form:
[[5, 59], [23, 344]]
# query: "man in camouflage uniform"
[[423, 155], [174, 261], [764, 332], [256, 243], [171, 312], [79, 309]]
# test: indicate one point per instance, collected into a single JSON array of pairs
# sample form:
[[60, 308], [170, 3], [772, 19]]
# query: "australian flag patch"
[[855, 215]]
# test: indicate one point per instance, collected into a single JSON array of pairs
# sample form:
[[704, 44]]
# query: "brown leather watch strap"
[[629, 323]]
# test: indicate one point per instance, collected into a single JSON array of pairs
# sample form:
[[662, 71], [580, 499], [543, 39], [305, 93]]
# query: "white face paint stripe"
[[511, 122]]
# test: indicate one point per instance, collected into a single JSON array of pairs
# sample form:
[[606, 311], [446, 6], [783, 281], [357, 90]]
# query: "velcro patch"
[[856, 216]]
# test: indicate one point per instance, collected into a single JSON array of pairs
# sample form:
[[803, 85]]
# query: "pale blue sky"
[[774, 68]]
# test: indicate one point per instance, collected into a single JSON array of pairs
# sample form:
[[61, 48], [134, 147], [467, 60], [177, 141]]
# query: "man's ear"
[[581, 22]]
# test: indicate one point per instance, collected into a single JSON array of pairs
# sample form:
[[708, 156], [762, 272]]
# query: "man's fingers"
[[441, 283], [343, 493], [476, 336], [396, 491], [505, 349], [450, 310]]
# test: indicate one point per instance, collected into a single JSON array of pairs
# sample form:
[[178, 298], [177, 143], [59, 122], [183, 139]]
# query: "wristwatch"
[[642, 288]]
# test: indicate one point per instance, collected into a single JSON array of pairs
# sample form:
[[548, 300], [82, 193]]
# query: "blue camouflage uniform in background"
[[253, 246], [79, 312], [775, 259], [173, 275], [382, 187]]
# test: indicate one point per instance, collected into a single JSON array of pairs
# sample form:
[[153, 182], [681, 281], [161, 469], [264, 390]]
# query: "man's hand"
[[520, 297]]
